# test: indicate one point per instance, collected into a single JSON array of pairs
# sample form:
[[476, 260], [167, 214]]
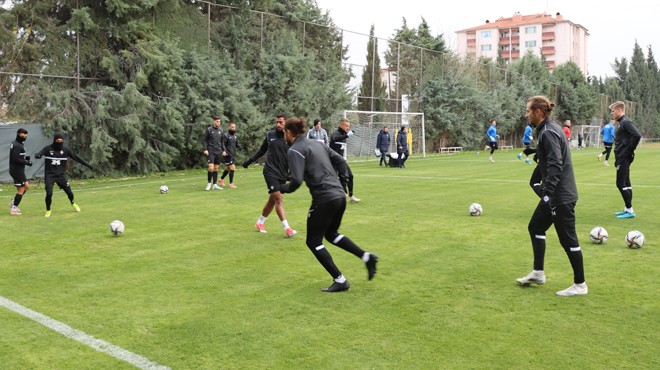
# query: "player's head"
[[279, 121], [232, 127], [493, 122], [317, 124], [294, 127], [217, 121], [617, 109], [58, 141], [567, 123], [403, 128], [21, 135], [345, 124], [538, 109], [385, 129]]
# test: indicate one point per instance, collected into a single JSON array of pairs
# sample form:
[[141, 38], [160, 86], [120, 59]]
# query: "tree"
[[372, 89], [573, 97], [410, 50]]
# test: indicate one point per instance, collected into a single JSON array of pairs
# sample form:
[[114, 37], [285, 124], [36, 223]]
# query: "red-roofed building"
[[556, 39]]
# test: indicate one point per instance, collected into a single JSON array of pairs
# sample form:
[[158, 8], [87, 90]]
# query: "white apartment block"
[[556, 39]]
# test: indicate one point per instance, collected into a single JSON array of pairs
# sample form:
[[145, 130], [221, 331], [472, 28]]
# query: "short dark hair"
[[317, 121], [282, 115], [21, 131], [295, 125]]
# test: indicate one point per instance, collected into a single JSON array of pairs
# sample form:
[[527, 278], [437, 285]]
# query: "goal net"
[[590, 136], [366, 126]]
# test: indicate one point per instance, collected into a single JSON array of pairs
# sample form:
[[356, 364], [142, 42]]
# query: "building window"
[[486, 47], [531, 29], [530, 44], [485, 34]]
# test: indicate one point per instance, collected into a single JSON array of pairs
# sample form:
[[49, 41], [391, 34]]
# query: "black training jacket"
[[626, 139], [276, 163], [558, 180]]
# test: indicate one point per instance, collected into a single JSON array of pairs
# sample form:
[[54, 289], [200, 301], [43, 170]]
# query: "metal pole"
[[373, 71], [78, 52], [398, 73], [303, 38], [208, 27], [261, 44]]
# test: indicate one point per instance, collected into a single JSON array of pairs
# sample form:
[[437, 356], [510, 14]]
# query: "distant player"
[[213, 149], [317, 165], [18, 159], [230, 143], [491, 136], [276, 172], [338, 144], [56, 157], [383, 141], [527, 142], [608, 139], [318, 133]]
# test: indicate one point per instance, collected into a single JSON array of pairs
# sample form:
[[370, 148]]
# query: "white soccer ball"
[[475, 209], [635, 239], [116, 227], [598, 235], [164, 189]]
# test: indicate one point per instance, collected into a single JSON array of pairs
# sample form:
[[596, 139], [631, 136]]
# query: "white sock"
[[285, 223], [629, 210], [341, 279], [366, 256], [262, 220]]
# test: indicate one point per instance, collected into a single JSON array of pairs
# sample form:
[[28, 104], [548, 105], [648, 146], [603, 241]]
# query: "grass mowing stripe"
[[84, 338]]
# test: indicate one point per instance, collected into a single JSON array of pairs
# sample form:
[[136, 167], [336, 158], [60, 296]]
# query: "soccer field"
[[191, 284]]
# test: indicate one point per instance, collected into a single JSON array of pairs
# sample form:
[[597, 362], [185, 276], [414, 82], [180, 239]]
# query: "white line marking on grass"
[[86, 339]]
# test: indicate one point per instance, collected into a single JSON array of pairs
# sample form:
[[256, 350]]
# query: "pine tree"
[[372, 89]]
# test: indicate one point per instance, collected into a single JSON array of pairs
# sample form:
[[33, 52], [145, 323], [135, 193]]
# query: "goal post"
[[590, 135], [367, 124]]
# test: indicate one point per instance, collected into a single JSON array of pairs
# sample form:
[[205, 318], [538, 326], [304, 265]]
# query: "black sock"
[[17, 199], [209, 176], [224, 174], [325, 259], [231, 176], [215, 177], [577, 264], [347, 244]]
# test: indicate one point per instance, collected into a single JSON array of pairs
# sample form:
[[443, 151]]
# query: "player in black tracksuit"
[[230, 143], [338, 144], [56, 156], [18, 159], [558, 194], [276, 172], [626, 139], [213, 149], [318, 165]]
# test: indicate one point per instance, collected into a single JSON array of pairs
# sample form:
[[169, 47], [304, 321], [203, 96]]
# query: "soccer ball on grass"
[[116, 227], [635, 239], [475, 209], [164, 189], [598, 235]]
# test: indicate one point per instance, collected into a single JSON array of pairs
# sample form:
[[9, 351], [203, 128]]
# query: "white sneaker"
[[208, 186], [216, 187], [575, 289], [491, 160], [354, 199], [534, 277], [600, 156], [606, 164]]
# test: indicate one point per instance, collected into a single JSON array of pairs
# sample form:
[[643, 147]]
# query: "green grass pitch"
[[191, 284]]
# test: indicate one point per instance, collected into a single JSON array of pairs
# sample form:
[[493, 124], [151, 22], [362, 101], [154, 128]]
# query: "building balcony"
[[514, 40], [547, 36], [513, 54], [550, 64], [548, 50], [471, 42]]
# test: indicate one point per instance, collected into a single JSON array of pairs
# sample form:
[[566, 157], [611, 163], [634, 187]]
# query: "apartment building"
[[555, 39]]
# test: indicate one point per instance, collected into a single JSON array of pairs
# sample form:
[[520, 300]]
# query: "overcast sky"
[[613, 26]]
